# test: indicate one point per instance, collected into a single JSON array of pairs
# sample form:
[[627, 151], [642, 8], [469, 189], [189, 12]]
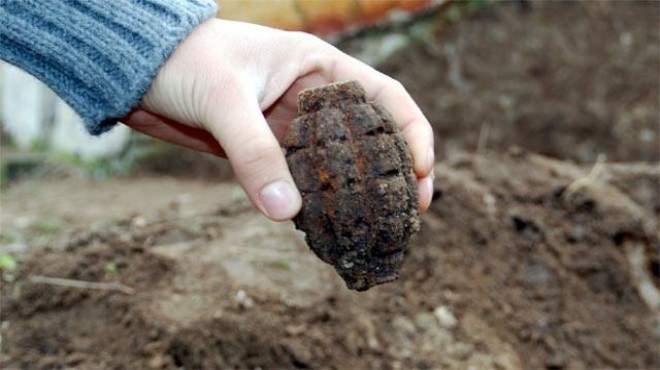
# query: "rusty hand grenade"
[[355, 174]]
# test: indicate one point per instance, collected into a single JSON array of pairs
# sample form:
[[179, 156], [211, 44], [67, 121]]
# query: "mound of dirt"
[[522, 262], [566, 79]]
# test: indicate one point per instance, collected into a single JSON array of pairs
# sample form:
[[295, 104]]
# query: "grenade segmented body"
[[354, 171]]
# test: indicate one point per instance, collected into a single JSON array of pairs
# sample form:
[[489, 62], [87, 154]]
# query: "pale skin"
[[231, 89]]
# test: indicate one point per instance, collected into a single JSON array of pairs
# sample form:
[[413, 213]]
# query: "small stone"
[[295, 330], [403, 325], [445, 317], [138, 222], [156, 362], [460, 350], [480, 361], [244, 302], [426, 321]]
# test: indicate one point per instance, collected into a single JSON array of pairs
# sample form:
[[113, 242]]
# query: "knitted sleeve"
[[98, 55]]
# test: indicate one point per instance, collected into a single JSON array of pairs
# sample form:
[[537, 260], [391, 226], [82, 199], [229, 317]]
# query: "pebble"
[[243, 300], [445, 317]]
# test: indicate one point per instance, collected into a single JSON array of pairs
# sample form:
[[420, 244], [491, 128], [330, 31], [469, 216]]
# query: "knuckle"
[[397, 86], [314, 53], [257, 158], [307, 38]]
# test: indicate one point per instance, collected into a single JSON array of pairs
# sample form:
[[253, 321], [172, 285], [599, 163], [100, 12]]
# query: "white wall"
[[32, 114]]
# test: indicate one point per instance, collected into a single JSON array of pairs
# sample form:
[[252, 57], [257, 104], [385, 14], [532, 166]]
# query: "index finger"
[[412, 123]]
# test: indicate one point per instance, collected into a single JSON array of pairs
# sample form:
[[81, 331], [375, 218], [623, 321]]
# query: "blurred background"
[[516, 84], [539, 251]]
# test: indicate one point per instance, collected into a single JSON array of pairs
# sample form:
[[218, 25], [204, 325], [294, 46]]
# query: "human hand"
[[231, 89]]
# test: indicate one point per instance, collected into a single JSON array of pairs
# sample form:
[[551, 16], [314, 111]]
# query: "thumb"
[[256, 156]]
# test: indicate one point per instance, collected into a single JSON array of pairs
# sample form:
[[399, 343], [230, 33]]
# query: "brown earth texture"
[[540, 249]]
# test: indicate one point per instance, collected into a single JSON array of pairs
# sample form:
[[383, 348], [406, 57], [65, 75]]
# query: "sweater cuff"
[[99, 56]]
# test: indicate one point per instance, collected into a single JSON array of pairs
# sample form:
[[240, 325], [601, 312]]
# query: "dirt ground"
[[529, 78], [523, 261]]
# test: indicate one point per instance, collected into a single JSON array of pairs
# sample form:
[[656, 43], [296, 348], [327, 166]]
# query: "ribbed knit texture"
[[98, 55]]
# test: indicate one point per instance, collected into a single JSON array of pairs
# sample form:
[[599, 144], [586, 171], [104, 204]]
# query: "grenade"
[[355, 174]]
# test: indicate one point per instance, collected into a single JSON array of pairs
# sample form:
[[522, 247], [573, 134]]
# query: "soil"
[[523, 261], [561, 78]]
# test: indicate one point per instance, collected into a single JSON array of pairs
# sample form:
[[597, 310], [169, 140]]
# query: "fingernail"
[[429, 185], [431, 158], [279, 200]]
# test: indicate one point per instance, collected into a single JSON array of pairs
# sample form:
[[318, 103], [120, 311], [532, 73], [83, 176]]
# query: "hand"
[[231, 88]]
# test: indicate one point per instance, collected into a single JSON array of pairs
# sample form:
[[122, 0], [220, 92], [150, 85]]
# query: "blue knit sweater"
[[98, 55]]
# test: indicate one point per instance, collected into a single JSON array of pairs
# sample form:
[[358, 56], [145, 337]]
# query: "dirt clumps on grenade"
[[355, 174]]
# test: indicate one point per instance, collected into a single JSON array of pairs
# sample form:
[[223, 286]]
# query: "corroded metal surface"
[[354, 170]]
